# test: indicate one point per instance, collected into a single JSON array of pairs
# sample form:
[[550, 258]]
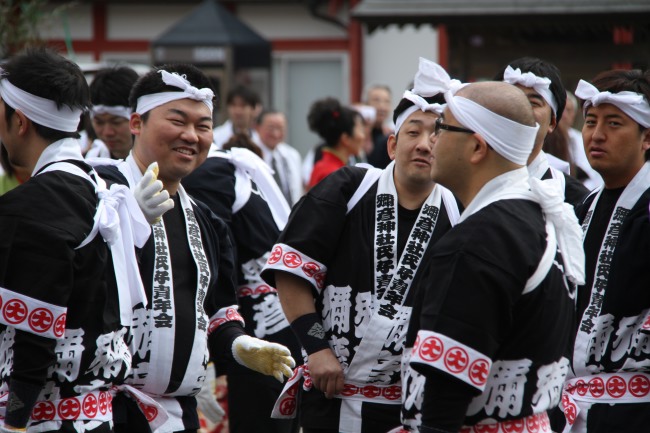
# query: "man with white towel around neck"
[[344, 266], [491, 328], [186, 265], [68, 272], [610, 390], [542, 84]]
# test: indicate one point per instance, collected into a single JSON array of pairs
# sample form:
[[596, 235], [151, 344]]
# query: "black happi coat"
[[471, 301], [42, 222], [320, 228]]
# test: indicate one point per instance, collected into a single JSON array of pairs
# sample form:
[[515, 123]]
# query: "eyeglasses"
[[440, 125]]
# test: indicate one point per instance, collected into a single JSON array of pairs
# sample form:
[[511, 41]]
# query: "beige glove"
[[153, 200], [267, 358], [206, 399]]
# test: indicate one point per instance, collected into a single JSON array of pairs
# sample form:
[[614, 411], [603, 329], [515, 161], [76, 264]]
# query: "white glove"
[[267, 358], [153, 200], [206, 400]]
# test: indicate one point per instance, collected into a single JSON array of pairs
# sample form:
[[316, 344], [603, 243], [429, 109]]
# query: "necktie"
[[278, 165]]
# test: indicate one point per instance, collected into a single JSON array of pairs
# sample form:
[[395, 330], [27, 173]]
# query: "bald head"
[[501, 98]]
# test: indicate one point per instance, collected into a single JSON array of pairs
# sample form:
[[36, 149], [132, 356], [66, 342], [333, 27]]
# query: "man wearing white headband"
[[62, 321], [110, 113], [610, 361], [493, 316], [541, 82], [186, 265], [344, 266]]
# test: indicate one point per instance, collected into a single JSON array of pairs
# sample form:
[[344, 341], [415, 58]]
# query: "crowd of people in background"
[[466, 261]]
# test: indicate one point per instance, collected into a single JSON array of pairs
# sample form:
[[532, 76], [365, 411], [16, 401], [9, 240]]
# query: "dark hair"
[[265, 113], [111, 86], [241, 139], [152, 82], [249, 96], [329, 119], [542, 68], [42, 72], [404, 104], [619, 80]]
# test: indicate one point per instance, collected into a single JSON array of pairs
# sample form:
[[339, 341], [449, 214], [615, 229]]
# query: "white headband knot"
[[149, 102], [633, 104], [39, 110], [508, 138], [430, 80], [541, 85]]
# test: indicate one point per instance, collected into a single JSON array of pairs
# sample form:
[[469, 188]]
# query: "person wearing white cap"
[[186, 265], [64, 306], [610, 390], [542, 84], [344, 267], [494, 312], [110, 113]]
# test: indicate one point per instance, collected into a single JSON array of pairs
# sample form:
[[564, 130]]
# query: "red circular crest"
[[456, 360], [276, 255], [616, 387], [570, 413], [597, 387], [431, 349], [513, 426], [59, 325], [43, 411], [486, 428], [292, 260], [479, 371], [69, 408], [288, 406], [532, 422], [393, 392], [150, 412], [371, 391], [581, 387], [90, 406], [639, 386], [14, 311], [40, 320], [310, 269], [103, 402]]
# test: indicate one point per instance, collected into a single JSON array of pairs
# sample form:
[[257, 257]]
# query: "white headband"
[[541, 85], [149, 102], [633, 104], [430, 80], [508, 138], [39, 110], [368, 113], [113, 110]]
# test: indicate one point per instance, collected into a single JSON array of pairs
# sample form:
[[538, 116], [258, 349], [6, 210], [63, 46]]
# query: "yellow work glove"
[[153, 200], [267, 358]]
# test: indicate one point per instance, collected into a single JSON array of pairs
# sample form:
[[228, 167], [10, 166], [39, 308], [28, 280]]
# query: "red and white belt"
[[93, 405], [286, 404], [536, 423], [609, 388]]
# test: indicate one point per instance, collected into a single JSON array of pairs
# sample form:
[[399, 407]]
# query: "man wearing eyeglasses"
[[491, 323], [541, 82]]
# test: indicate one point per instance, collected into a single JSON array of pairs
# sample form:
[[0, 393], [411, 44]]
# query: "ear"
[[135, 123], [645, 145], [391, 146], [479, 150], [553, 124], [23, 123]]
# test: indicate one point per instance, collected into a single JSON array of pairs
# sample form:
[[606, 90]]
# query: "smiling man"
[[542, 84], [344, 265], [611, 347], [186, 266]]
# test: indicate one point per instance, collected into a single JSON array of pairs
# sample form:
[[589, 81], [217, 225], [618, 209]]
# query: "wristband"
[[22, 397], [310, 333]]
